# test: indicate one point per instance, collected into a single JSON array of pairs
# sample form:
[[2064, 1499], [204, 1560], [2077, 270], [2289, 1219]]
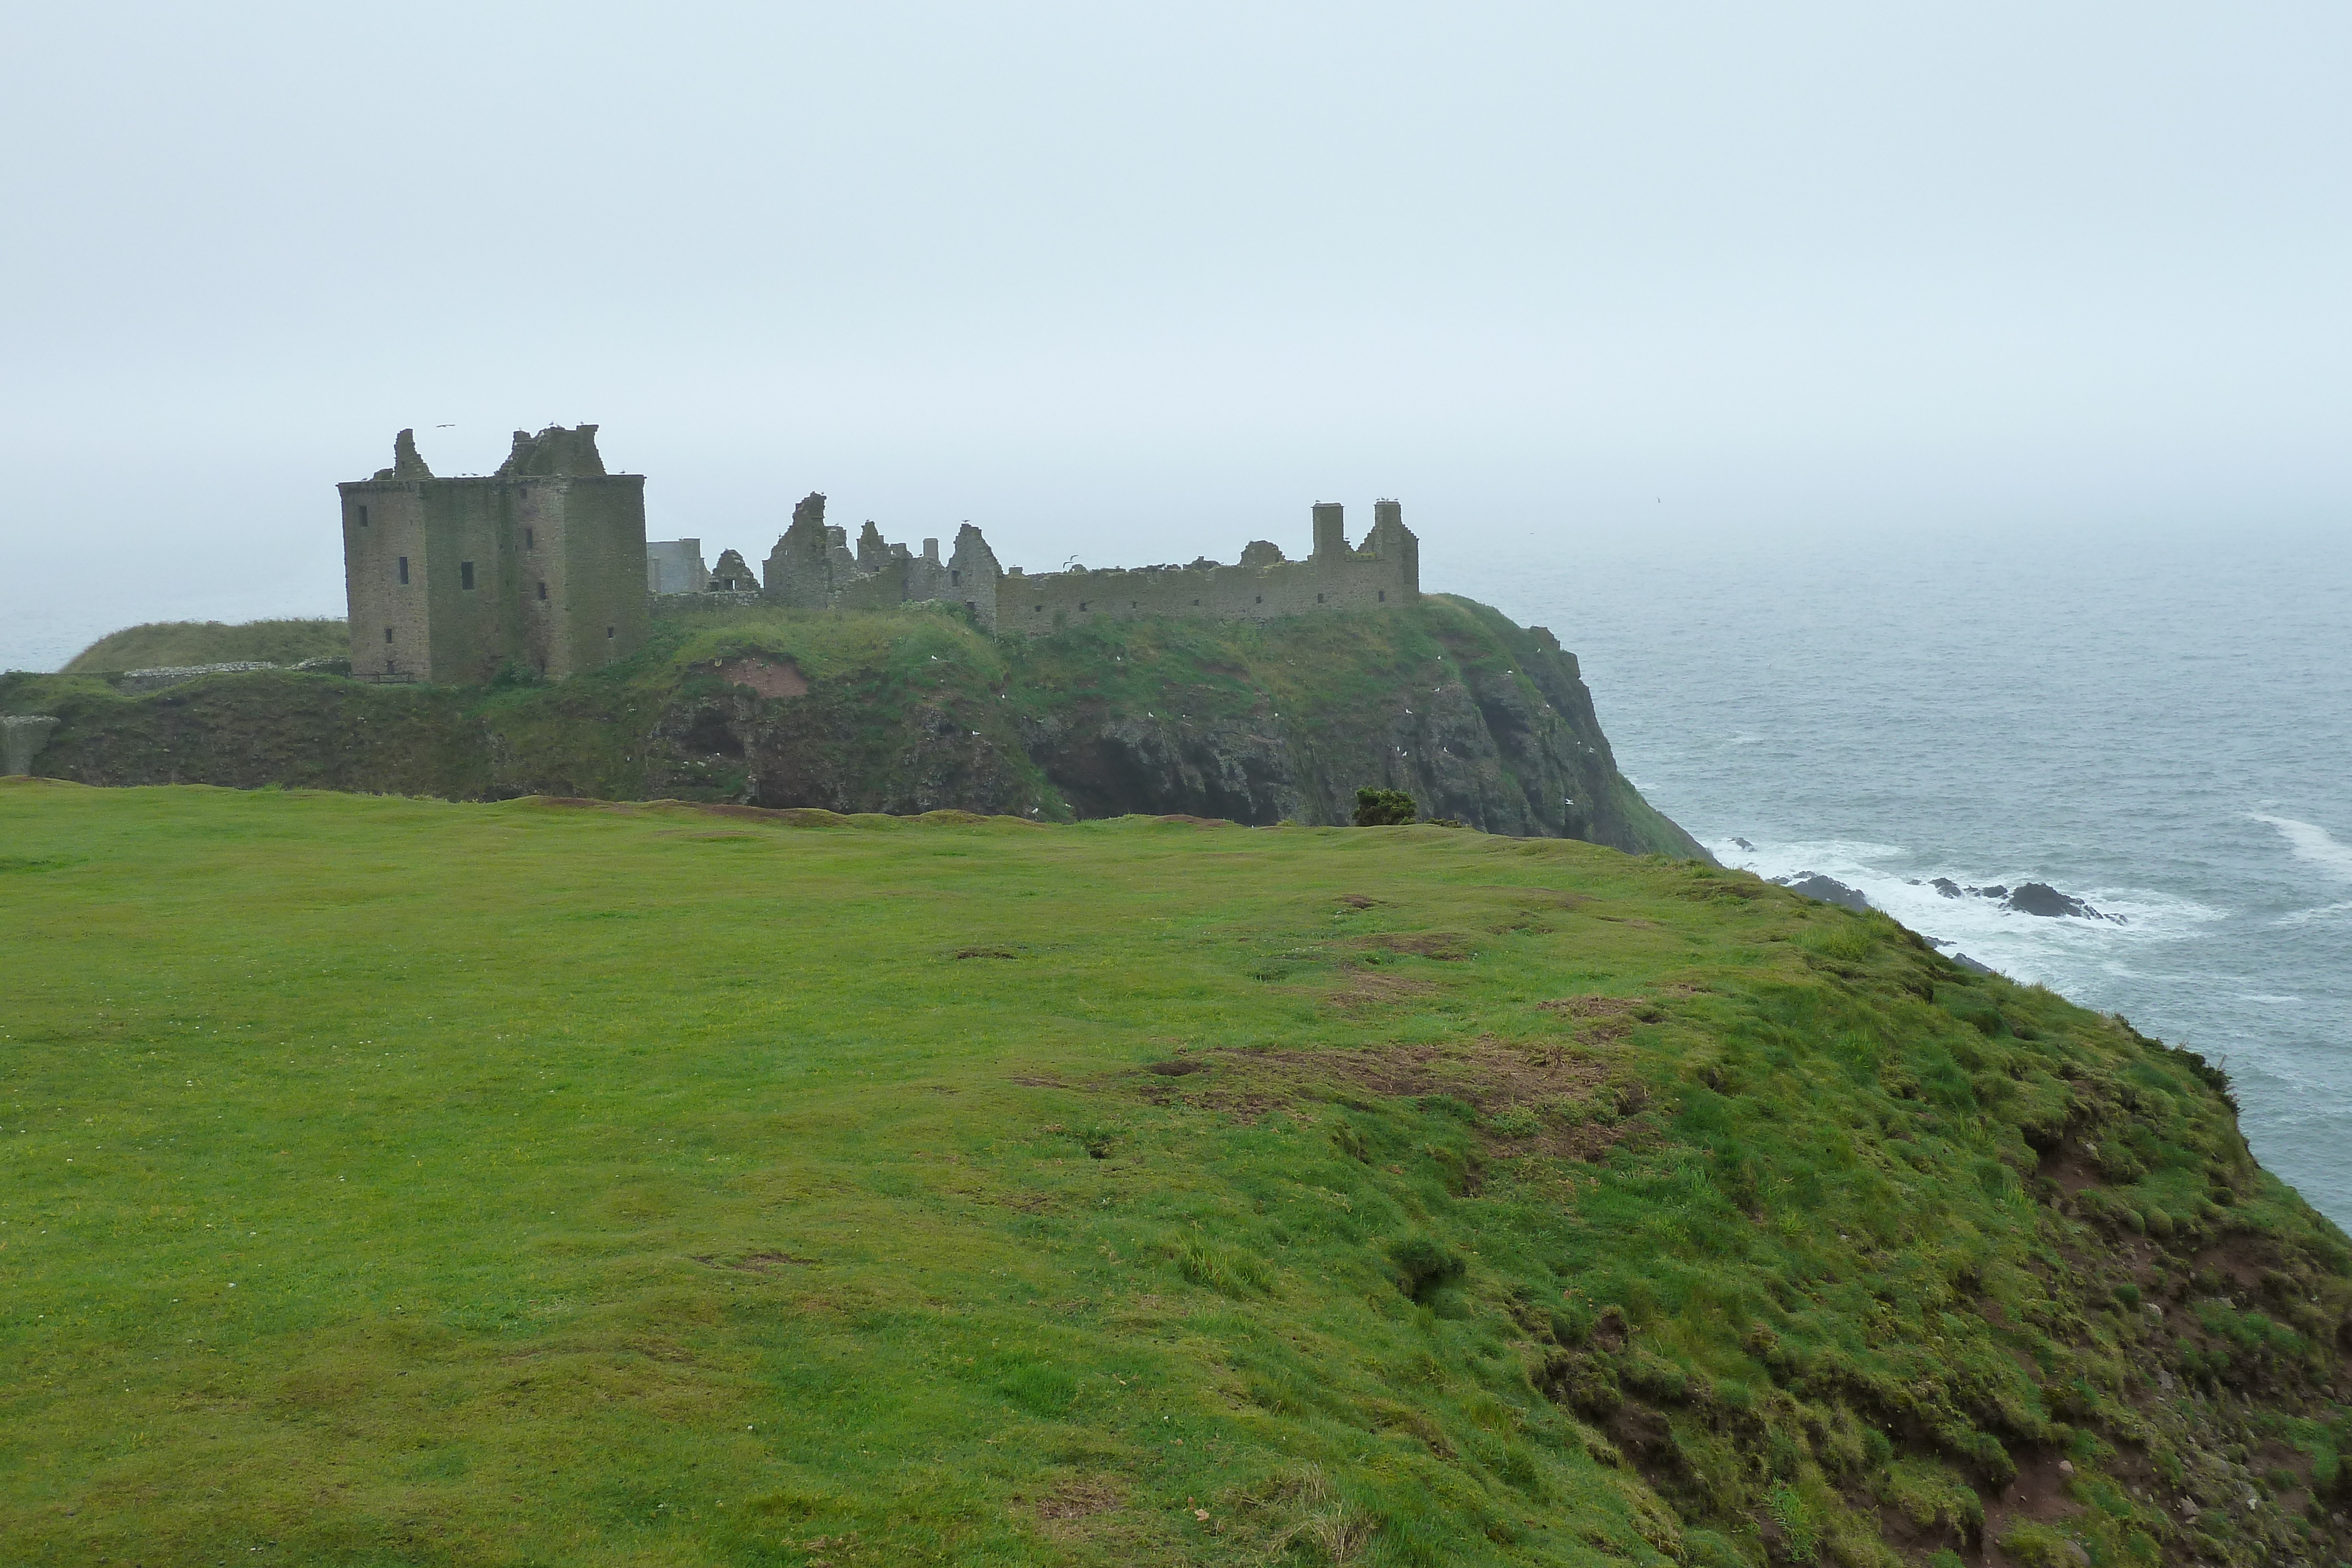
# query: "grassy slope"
[[161, 644], [404, 1182]]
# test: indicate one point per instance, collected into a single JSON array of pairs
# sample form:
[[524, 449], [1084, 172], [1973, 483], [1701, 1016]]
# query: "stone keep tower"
[[542, 563]]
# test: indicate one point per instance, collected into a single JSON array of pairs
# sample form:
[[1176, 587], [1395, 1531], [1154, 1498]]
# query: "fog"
[[1132, 286]]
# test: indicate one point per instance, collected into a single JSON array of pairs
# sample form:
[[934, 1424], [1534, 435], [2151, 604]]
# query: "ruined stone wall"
[[1387, 572], [676, 566], [384, 525], [449, 579], [601, 616]]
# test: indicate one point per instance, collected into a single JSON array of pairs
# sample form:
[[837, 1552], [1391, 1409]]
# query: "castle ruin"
[[542, 564], [545, 565], [812, 567]]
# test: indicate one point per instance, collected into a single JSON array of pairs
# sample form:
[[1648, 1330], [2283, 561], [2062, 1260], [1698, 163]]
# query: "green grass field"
[[400, 1182]]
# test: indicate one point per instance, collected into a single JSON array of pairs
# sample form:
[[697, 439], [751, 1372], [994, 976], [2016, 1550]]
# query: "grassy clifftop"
[[161, 644], [407, 1181], [914, 710]]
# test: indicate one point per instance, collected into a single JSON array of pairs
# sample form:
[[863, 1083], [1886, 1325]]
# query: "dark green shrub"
[[1384, 809]]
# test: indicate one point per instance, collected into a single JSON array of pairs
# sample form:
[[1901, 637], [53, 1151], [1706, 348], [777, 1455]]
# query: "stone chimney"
[[1330, 531]]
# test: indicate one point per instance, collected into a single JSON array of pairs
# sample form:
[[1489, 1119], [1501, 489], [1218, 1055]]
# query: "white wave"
[[2305, 917], [2312, 842], [2247, 996], [2028, 947]]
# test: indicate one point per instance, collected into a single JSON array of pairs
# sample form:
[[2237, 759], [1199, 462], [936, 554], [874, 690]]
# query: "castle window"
[[1261, 598], [955, 580], [387, 633], [465, 574], [1082, 607], [608, 634], [542, 590], [364, 516], [1319, 598], [1036, 608], [528, 540], [973, 605], [1196, 604], [1131, 604], [1384, 596], [403, 572]]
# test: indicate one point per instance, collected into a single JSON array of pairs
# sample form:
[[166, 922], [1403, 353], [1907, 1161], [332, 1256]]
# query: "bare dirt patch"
[[2037, 1495], [1076, 1500], [1445, 946], [779, 679], [1371, 988], [753, 1262], [1598, 1007], [1537, 1093]]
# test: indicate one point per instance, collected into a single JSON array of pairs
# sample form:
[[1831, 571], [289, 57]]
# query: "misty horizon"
[[1138, 288]]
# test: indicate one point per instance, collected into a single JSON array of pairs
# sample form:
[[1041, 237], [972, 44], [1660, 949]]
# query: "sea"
[[2154, 724]]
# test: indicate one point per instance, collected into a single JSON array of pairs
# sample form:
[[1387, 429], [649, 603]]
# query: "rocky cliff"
[[1483, 722]]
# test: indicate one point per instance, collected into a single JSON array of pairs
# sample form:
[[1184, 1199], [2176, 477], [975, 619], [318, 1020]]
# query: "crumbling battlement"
[[541, 565], [1386, 570], [813, 566]]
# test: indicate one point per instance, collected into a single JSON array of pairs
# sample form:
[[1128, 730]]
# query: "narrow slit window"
[[608, 634], [1384, 596], [542, 590], [955, 578], [403, 572], [364, 516], [387, 633], [465, 574], [530, 540]]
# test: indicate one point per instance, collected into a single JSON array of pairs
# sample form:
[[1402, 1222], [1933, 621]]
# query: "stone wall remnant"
[[732, 575], [21, 736], [675, 566], [542, 564]]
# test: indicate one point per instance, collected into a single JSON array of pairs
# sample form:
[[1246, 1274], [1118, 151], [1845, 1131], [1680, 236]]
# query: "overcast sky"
[[1135, 284]]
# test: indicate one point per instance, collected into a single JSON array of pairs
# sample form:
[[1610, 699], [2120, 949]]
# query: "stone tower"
[[540, 564]]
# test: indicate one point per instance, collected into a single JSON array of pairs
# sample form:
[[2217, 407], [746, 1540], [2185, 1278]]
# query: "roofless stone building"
[[545, 564], [542, 564]]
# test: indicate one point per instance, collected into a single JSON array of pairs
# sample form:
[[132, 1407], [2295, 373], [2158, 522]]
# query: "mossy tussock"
[[913, 710], [401, 1181]]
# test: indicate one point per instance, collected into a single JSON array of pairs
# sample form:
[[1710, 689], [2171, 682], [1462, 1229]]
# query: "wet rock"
[[2040, 898], [1743, 843], [1965, 962], [1828, 889], [1946, 886]]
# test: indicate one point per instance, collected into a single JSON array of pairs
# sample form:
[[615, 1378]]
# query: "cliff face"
[[1481, 721]]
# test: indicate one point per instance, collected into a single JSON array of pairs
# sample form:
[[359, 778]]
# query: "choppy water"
[[2157, 726]]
